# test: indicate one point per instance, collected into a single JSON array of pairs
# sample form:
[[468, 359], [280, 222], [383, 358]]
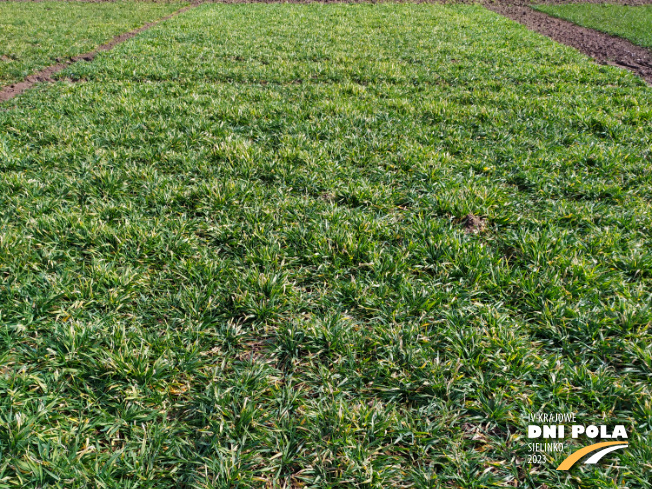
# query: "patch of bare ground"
[[530, 3], [85, 1], [45, 75], [473, 224], [505, 2], [603, 48]]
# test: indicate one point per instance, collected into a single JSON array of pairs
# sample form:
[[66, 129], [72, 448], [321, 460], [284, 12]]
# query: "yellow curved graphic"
[[575, 456]]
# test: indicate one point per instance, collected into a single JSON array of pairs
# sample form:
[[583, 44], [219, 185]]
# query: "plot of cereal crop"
[[631, 22], [34, 35], [323, 246]]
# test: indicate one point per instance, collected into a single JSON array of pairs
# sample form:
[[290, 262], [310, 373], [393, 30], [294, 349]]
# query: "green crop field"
[[631, 22], [34, 35], [234, 253]]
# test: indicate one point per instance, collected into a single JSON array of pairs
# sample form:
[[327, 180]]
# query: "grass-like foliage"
[[631, 22], [233, 255], [34, 35]]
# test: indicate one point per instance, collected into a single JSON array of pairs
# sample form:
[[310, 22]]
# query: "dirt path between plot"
[[45, 75], [603, 48]]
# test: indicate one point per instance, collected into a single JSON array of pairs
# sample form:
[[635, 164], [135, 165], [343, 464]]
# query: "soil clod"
[[474, 224]]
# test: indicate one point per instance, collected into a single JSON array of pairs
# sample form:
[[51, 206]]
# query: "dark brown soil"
[[88, 1], [473, 224], [603, 48], [524, 3], [484, 2], [505, 2], [45, 75]]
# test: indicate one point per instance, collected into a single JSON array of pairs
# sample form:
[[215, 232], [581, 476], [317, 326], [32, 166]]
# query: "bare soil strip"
[[45, 75], [528, 3], [603, 48]]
